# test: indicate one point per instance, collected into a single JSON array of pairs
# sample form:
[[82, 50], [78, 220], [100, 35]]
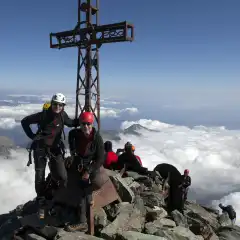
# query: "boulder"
[[62, 235], [100, 218], [197, 211], [152, 199], [179, 219], [155, 213], [177, 233], [124, 191], [229, 233], [130, 235], [224, 220], [130, 218], [153, 227]]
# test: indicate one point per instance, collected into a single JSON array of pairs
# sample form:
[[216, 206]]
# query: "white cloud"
[[8, 123], [16, 180]]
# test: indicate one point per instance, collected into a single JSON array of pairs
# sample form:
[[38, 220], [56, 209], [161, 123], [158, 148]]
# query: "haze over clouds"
[[10, 115]]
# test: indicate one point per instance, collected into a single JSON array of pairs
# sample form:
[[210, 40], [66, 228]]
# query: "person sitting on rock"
[[129, 160], [110, 156], [85, 166], [186, 183], [230, 211]]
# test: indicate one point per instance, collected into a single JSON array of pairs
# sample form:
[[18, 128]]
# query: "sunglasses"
[[57, 104], [86, 123]]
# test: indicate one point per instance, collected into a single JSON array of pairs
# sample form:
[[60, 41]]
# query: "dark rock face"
[[143, 214]]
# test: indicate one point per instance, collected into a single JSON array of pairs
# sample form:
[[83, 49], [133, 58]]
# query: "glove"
[[68, 161]]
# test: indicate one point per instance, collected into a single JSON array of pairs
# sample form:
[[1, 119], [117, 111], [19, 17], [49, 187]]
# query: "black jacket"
[[93, 159], [186, 181], [51, 125], [129, 161]]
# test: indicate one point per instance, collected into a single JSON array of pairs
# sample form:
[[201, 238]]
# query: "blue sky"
[[181, 48]]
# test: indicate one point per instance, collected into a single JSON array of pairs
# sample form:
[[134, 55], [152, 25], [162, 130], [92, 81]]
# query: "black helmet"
[[128, 146]]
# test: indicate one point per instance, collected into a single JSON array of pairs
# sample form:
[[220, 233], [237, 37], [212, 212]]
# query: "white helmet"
[[59, 98]]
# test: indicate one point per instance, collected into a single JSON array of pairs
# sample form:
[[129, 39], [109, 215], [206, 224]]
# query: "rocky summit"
[[142, 215]]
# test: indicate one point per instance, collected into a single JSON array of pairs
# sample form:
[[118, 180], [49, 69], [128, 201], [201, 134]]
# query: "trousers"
[[97, 180], [56, 165]]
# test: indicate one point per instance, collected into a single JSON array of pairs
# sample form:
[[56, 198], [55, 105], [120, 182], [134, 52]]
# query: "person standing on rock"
[[230, 211], [85, 166], [186, 183], [47, 143]]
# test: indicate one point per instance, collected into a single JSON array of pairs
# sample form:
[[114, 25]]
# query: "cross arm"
[[109, 33]]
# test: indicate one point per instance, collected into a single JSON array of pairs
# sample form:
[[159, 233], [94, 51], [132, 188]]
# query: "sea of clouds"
[[211, 154]]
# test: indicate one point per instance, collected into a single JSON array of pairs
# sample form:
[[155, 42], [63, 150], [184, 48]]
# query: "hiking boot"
[[81, 227]]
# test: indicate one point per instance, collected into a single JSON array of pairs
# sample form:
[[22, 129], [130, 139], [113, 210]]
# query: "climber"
[[47, 142], [128, 160], [230, 211], [110, 156], [85, 166], [186, 183]]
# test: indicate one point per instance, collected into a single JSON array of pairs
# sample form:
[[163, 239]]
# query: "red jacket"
[[111, 157]]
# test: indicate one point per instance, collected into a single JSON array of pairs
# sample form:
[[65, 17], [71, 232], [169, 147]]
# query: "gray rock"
[[130, 235], [200, 227], [179, 219], [136, 176], [155, 213], [128, 180], [62, 235], [213, 237], [177, 233], [33, 236], [152, 199], [129, 218], [229, 233], [198, 212], [224, 220], [100, 218], [135, 187], [211, 210], [165, 222], [153, 227], [124, 191]]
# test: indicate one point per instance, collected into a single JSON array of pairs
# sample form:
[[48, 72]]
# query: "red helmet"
[[86, 117], [186, 171]]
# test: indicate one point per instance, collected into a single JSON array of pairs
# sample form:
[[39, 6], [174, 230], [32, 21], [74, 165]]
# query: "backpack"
[[231, 212]]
